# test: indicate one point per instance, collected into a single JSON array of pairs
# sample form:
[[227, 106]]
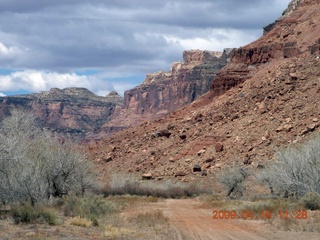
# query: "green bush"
[[311, 201]]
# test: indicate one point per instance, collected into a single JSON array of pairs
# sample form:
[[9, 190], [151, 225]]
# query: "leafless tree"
[[34, 165], [295, 170], [233, 178]]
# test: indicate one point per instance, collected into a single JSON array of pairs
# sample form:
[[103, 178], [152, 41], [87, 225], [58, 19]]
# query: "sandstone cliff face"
[[290, 36], [72, 110], [163, 92]]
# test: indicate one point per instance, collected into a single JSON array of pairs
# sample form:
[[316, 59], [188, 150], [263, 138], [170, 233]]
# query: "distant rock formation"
[[74, 111], [163, 92]]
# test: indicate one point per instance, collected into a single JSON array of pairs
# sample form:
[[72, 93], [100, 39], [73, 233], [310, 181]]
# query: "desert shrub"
[[91, 207], [129, 184], [33, 214], [35, 165], [311, 201], [233, 178], [149, 219], [80, 222], [295, 171]]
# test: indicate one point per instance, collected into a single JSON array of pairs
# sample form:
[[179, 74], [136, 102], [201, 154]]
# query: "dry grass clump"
[[37, 214], [129, 184], [81, 222], [149, 219], [92, 207], [113, 233]]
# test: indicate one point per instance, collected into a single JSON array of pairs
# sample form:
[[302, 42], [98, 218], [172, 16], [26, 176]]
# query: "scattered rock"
[[208, 160], [196, 168], [293, 76], [198, 117], [162, 133], [147, 176], [201, 152], [183, 136], [218, 147], [247, 161], [107, 159], [180, 174], [260, 166], [152, 152], [309, 128], [204, 173], [206, 165], [286, 127]]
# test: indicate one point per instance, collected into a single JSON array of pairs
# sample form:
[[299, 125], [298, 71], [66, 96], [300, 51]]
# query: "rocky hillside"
[[164, 92], [267, 97], [74, 111]]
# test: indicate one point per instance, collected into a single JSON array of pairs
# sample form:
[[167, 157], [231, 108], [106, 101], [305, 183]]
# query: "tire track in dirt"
[[190, 221]]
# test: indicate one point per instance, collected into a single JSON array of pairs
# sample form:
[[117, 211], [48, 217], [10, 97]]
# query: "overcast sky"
[[112, 44]]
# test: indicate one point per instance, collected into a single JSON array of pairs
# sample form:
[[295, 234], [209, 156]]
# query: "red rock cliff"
[[290, 36], [74, 111], [163, 92]]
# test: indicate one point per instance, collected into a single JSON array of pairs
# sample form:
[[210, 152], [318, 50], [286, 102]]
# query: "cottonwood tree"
[[233, 179], [295, 170], [34, 165]]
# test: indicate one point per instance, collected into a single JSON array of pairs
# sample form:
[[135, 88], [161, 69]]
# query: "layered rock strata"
[[71, 110], [164, 92]]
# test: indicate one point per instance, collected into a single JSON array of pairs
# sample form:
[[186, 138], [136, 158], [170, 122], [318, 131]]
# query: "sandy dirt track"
[[190, 221]]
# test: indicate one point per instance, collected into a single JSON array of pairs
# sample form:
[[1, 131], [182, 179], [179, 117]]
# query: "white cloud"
[[216, 39], [35, 81], [8, 52], [2, 94]]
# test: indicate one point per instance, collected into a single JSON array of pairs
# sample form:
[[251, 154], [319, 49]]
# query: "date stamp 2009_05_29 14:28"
[[262, 215]]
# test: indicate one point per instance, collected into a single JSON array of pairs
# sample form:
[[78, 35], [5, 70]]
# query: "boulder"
[[180, 174], [218, 147], [196, 168], [147, 176]]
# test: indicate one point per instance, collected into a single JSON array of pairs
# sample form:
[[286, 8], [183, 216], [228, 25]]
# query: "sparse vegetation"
[[311, 201], [81, 222], [295, 171], [90, 207], [33, 214], [128, 184], [233, 178], [149, 219]]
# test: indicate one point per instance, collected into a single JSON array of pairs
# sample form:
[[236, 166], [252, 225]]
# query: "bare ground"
[[187, 219], [192, 221]]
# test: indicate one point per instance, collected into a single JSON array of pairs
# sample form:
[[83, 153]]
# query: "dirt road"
[[190, 222]]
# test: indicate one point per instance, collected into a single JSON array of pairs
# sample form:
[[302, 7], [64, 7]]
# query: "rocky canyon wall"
[[73, 111], [290, 36], [163, 92]]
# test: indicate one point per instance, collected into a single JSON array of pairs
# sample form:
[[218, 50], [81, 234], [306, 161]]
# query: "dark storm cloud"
[[78, 33], [115, 36]]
